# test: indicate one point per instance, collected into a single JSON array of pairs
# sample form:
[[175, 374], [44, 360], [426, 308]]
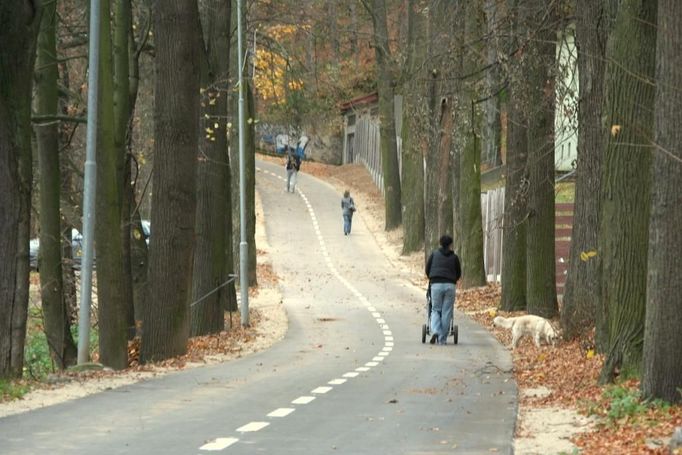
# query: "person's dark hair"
[[346, 193], [445, 241]]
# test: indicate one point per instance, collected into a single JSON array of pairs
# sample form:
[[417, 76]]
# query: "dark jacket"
[[443, 267], [293, 162]]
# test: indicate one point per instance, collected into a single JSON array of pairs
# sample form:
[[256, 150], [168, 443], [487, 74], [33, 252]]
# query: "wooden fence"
[[492, 206], [562, 243]]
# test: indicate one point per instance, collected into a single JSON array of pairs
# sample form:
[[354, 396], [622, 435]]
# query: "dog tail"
[[504, 322]]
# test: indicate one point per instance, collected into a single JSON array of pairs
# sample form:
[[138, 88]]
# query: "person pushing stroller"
[[443, 270]]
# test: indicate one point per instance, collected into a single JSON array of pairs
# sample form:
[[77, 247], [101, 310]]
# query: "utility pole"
[[89, 186], [243, 247]]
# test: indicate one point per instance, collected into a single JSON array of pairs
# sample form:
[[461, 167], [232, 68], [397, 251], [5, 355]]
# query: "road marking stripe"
[[387, 348], [388, 332], [371, 364], [252, 426], [350, 374], [362, 369], [389, 343], [371, 308], [378, 359], [376, 315], [381, 321], [337, 381], [303, 400], [218, 444], [384, 354], [281, 412], [389, 338], [321, 389]]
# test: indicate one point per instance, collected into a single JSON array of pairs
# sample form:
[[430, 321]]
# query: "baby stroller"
[[426, 328]]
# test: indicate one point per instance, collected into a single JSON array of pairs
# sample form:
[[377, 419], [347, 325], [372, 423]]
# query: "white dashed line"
[[218, 444], [281, 412], [252, 426], [321, 390], [222, 443]]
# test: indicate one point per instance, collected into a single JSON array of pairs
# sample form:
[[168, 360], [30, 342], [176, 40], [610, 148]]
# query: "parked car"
[[76, 250]]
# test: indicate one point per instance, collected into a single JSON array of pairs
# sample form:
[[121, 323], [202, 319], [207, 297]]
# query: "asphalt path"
[[350, 377]]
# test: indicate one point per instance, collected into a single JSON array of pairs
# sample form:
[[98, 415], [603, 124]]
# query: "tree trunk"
[[662, 372], [206, 314], [414, 127], [250, 183], [516, 181], [385, 85], [541, 278], [19, 23], [139, 251], [111, 300], [165, 327], [581, 300], [624, 231], [441, 168], [467, 136], [491, 138], [53, 301], [122, 124]]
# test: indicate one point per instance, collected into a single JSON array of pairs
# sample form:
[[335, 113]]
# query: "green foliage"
[[37, 361], [624, 402], [12, 390]]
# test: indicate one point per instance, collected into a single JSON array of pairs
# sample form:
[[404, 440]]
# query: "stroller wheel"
[[423, 333], [455, 332]]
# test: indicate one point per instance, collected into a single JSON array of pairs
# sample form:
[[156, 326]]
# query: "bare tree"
[[19, 24], [165, 327], [53, 300], [386, 86], [625, 195], [662, 373], [582, 290]]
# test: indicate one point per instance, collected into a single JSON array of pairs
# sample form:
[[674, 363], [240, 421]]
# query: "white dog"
[[534, 326]]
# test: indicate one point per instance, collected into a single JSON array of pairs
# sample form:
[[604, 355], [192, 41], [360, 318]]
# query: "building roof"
[[360, 101]]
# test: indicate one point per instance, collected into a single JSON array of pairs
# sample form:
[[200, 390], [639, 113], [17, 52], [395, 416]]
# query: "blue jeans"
[[347, 222], [442, 303], [291, 180]]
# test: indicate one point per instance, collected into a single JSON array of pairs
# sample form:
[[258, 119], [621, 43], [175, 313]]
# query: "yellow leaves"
[[492, 313], [273, 78], [587, 255], [615, 130], [589, 354], [137, 234]]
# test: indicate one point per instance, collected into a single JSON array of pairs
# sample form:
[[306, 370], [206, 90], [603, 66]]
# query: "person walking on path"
[[347, 210], [443, 270], [292, 166]]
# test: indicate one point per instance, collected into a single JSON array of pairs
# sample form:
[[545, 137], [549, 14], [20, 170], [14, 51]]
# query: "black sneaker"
[[434, 337]]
